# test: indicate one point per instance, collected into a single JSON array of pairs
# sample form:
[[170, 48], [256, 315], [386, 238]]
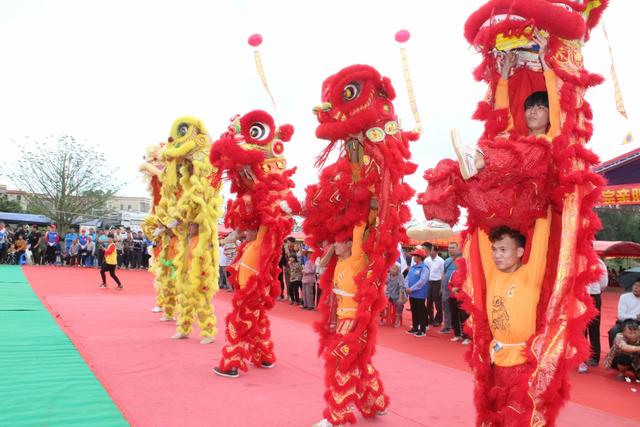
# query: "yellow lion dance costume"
[[186, 221]]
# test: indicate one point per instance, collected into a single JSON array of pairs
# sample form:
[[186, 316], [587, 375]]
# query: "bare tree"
[[64, 179]]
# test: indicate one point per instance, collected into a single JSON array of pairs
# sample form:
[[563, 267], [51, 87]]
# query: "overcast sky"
[[117, 73]]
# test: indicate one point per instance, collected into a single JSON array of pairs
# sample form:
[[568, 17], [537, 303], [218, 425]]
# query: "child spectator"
[[295, 280], [110, 262], [395, 292], [72, 253], [308, 282], [91, 248], [625, 353]]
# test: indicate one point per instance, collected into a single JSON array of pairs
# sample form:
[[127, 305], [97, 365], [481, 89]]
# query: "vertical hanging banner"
[[628, 139], [255, 40], [402, 37]]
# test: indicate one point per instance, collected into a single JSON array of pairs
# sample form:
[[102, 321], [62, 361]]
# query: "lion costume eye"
[[182, 129], [351, 91], [259, 131]]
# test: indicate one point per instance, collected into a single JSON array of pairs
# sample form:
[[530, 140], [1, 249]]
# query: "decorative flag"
[[614, 78], [255, 40], [401, 37]]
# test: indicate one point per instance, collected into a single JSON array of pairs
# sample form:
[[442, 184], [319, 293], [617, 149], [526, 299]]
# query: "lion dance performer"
[[250, 154], [152, 169], [529, 194], [356, 211], [186, 221]]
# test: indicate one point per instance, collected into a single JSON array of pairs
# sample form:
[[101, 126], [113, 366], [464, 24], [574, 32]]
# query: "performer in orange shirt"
[[350, 386], [508, 183], [513, 292], [250, 155]]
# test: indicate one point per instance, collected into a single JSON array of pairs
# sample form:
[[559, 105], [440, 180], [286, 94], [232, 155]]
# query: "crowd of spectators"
[[35, 245]]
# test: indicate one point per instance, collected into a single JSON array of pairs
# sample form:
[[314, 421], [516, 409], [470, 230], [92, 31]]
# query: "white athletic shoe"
[[324, 423], [179, 336], [583, 368], [466, 156], [166, 318], [454, 339], [432, 229], [466, 341], [207, 340], [156, 309]]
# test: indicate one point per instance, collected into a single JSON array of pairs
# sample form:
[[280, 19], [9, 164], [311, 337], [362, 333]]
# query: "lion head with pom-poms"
[[355, 98]]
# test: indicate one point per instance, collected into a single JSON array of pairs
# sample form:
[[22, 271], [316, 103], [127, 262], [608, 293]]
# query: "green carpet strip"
[[43, 379]]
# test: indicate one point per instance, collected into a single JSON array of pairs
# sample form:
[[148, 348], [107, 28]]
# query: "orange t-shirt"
[[502, 101], [512, 298], [250, 261], [344, 285]]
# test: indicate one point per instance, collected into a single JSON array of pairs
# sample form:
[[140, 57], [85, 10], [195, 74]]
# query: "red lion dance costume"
[[362, 195], [527, 178], [250, 155]]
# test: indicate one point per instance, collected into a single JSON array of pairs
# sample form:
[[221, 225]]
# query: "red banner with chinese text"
[[625, 194]]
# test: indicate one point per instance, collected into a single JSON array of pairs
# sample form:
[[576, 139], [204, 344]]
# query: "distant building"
[[129, 204], [14, 195]]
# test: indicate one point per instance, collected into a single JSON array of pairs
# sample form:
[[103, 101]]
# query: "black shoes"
[[267, 365], [412, 331], [231, 373]]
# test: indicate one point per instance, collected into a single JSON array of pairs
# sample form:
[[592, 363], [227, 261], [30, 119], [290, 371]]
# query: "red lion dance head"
[[250, 154]]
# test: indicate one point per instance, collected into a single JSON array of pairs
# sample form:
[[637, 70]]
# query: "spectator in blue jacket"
[[417, 287]]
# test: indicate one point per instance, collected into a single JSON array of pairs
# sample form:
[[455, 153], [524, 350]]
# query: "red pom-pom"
[[285, 132], [277, 148], [255, 40], [402, 36]]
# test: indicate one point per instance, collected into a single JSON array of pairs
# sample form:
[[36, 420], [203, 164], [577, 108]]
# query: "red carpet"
[[156, 381]]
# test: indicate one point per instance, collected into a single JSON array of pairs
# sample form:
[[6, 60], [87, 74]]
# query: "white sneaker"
[[179, 336], [583, 368], [466, 341], [466, 155], [323, 423], [166, 318], [432, 229], [207, 340], [454, 339], [156, 309]]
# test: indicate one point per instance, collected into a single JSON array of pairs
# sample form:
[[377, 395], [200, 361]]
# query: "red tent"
[[607, 249]]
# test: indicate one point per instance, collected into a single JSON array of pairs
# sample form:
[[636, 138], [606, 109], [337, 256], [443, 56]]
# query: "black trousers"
[[51, 254], [458, 317], [418, 314], [294, 290], [111, 268], [593, 330], [434, 297]]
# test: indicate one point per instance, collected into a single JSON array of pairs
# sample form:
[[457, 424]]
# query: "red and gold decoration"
[[365, 185], [249, 156], [525, 176]]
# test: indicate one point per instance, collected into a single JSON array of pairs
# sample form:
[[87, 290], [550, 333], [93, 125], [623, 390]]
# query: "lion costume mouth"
[[567, 19]]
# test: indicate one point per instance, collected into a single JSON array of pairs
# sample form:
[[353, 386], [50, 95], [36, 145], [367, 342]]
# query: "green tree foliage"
[[9, 205], [622, 223], [65, 179]]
